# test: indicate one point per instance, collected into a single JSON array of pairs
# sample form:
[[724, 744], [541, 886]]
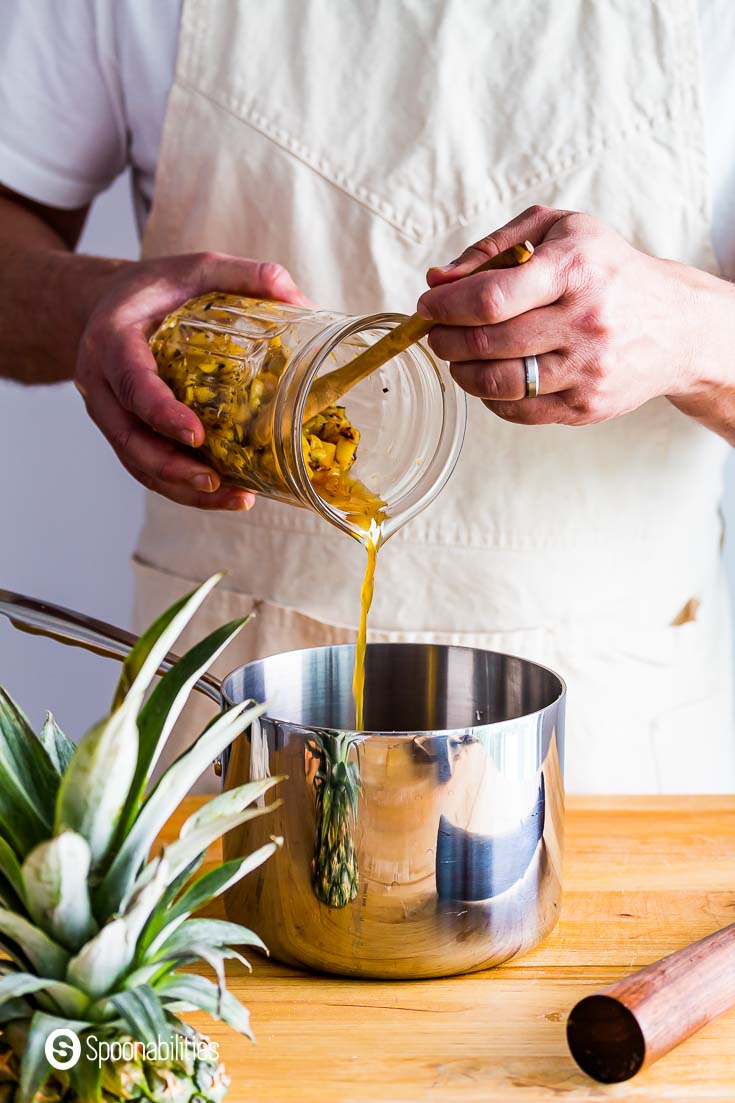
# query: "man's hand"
[[117, 377], [611, 326], [97, 315]]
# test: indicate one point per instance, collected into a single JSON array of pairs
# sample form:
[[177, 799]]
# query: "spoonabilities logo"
[[63, 1048]]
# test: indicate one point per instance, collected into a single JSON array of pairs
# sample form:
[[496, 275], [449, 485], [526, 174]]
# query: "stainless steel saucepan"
[[428, 845]]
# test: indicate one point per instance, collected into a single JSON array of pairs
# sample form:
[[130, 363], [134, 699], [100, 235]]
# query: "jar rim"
[[434, 476]]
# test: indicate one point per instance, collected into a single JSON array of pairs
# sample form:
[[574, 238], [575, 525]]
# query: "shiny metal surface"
[[458, 828], [531, 366]]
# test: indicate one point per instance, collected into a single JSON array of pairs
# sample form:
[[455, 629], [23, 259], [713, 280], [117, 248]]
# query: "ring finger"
[[505, 380]]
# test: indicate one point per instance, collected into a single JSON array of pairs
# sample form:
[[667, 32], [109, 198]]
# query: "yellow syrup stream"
[[371, 541], [231, 383]]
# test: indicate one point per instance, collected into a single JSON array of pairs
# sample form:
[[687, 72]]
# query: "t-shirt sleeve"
[[62, 126]]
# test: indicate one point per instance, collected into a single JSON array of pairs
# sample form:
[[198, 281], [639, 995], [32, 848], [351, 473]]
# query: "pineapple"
[[93, 929], [334, 873]]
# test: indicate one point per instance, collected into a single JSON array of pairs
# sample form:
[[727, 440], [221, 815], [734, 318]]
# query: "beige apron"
[[357, 143]]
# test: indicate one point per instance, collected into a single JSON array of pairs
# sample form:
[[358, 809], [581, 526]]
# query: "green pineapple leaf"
[[86, 1076], [151, 648], [20, 825], [227, 803], [60, 998], [10, 869], [149, 974], [43, 953], [101, 963], [217, 933], [190, 990], [196, 952], [23, 816], [186, 854], [160, 913], [59, 749], [205, 889], [14, 1009], [211, 956], [20, 984], [94, 788], [54, 882], [23, 755], [9, 898], [141, 1011], [179, 853], [34, 1067], [164, 706], [172, 787], [63, 998]]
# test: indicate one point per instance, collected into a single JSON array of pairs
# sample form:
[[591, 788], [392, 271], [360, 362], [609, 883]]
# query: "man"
[[358, 144]]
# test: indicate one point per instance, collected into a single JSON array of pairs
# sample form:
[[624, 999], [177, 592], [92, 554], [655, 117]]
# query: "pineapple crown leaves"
[[25, 799], [94, 930], [201, 891], [56, 745], [163, 801], [110, 756]]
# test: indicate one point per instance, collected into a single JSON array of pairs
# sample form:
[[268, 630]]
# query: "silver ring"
[[530, 363]]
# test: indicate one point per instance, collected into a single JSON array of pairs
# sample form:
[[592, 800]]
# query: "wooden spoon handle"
[[628, 1026], [329, 388]]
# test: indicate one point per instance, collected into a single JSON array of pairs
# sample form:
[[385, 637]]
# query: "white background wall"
[[69, 517]]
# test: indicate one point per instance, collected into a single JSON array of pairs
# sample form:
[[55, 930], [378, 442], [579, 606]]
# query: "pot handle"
[[41, 618]]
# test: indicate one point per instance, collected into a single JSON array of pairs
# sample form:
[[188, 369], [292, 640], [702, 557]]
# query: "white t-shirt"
[[84, 86]]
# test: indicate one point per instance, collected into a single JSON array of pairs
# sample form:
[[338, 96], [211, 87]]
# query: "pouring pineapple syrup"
[[251, 370]]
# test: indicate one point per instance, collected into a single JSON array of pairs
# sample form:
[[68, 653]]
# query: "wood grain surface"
[[643, 876]]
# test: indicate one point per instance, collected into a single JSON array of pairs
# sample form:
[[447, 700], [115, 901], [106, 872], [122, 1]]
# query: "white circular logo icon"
[[63, 1048]]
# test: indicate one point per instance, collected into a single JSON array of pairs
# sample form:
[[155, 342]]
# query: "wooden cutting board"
[[643, 876]]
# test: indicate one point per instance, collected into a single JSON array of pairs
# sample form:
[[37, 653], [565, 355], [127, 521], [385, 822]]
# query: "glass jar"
[[246, 367]]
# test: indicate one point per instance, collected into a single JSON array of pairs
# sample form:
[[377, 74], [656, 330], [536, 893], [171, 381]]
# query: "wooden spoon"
[[328, 389]]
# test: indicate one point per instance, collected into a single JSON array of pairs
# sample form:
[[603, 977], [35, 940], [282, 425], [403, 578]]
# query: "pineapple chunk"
[[202, 395], [322, 452], [345, 451], [256, 394], [228, 386]]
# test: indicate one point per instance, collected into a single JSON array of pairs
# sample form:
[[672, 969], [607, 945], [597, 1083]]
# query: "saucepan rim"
[[228, 700]]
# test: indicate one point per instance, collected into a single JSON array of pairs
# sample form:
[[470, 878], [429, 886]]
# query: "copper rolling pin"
[[626, 1027], [329, 388]]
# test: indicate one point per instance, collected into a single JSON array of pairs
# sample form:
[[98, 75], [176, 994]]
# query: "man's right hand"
[[117, 377]]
